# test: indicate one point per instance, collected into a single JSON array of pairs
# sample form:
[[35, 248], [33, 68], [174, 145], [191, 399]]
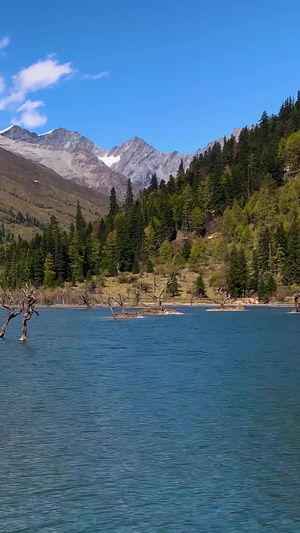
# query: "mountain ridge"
[[97, 167]]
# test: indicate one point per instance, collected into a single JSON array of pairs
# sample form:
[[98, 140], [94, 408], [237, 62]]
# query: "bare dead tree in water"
[[29, 302], [138, 289], [159, 288], [111, 303], [87, 299], [13, 308], [224, 298], [120, 302], [297, 302]]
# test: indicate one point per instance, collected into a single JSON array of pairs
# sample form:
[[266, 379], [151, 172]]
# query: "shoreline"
[[167, 304]]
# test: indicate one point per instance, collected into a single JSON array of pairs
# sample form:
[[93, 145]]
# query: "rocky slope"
[[77, 158], [32, 190], [138, 160], [69, 154]]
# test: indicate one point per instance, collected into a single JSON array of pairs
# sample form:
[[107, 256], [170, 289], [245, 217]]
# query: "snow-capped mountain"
[[75, 157]]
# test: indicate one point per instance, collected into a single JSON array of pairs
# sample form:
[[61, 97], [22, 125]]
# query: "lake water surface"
[[175, 424]]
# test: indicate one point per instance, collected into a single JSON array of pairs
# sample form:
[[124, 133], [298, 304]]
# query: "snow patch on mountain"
[[110, 160], [47, 133], [6, 129]]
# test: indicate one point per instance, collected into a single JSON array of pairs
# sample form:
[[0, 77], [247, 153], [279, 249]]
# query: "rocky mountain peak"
[[19, 134], [69, 141]]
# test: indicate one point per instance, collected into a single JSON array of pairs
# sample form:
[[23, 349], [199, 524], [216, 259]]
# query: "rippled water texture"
[[183, 424]]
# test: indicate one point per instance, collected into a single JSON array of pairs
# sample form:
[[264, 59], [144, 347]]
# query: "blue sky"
[[176, 73]]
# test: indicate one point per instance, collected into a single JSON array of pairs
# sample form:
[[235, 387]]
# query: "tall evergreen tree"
[[49, 272], [129, 194]]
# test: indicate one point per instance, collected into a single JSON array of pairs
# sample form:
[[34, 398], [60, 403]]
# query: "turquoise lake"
[[180, 424]]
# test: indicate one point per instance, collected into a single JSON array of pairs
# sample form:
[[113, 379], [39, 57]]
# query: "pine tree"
[[198, 255], [135, 265], [79, 221], [264, 250], [153, 183], [113, 209], [186, 250], [292, 262], [262, 291], [129, 195], [271, 286], [113, 205], [197, 221], [49, 271], [254, 277], [38, 268], [76, 259], [180, 176], [243, 272], [110, 255], [150, 267], [199, 286], [233, 277]]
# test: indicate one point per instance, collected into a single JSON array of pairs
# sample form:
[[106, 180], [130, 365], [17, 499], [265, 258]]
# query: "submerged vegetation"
[[232, 220]]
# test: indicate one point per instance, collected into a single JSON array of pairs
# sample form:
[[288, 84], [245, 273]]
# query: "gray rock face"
[[19, 134], [70, 154], [75, 157], [138, 160]]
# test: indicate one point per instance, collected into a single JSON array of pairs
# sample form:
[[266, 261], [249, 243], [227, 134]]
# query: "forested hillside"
[[232, 218]]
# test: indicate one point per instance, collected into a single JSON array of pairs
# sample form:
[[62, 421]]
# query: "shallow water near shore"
[[180, 424]]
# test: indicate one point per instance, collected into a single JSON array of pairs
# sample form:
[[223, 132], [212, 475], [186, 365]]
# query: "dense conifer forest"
[[232, 217]]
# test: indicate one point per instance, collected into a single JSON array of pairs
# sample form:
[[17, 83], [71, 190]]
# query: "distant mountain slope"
[[33, 189], [77, 158], [69, 154], [138, 160]]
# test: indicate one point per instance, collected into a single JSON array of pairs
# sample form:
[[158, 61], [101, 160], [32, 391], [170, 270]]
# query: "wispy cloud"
[[15, 97], [4, 41], [96, 76], [30, 117], [43, 74]]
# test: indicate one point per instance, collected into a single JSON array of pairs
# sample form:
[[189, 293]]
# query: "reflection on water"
[[170, 424]]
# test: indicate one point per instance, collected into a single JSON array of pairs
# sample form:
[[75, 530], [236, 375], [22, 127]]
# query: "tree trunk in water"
[[26, 317], [113, 313], [7, 321]]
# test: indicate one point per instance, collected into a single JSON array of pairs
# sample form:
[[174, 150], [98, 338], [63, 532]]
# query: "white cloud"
[[4, 41], [15, 97], [41, 75], [30, 117], [2, 85], [96, 76], [29, 105]]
